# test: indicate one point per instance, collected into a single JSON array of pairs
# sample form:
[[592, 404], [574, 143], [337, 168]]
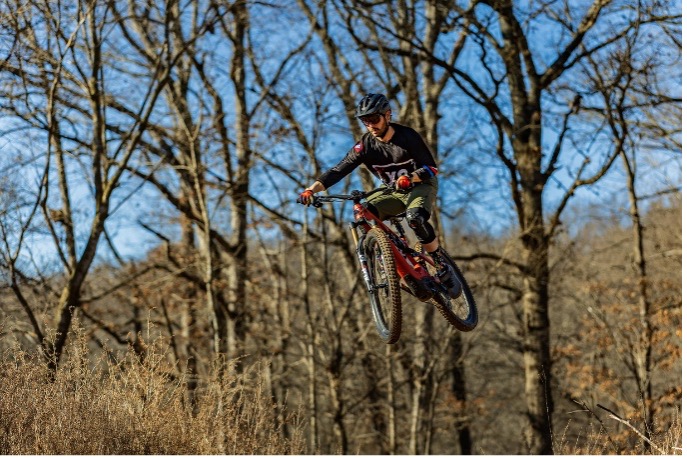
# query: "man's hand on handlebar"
[[306, 197]]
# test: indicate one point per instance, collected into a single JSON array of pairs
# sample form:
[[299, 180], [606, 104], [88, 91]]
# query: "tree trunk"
[[643, 350], [391, 401], [459, 391], [536, 354], [313, 411], [239, 202], [420, 374], [536, 347]]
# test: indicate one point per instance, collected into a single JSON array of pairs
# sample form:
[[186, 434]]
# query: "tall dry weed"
[[133, 407], [596, 439]]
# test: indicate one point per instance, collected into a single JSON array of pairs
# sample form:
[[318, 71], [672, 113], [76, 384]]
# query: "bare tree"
[[60, 58], [200, 139], [514, 85], [635, 95]]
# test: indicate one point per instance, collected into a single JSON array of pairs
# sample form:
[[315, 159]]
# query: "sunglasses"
[[371, 119]]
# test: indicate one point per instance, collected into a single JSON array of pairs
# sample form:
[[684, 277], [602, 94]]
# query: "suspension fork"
[[362, 258], [354, 233]]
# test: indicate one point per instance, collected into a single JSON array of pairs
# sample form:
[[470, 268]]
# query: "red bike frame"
[[406, 263]]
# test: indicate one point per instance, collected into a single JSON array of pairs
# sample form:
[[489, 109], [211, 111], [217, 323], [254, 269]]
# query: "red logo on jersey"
[[358, 147]]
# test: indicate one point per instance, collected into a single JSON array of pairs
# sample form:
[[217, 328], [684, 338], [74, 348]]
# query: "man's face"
[[377, 124]]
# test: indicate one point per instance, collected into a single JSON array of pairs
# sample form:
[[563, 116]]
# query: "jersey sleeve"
[[348, 164], [425, 155], [426, 172], [427, 167]]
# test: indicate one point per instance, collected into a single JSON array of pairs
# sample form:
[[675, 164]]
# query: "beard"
[[381, 132]]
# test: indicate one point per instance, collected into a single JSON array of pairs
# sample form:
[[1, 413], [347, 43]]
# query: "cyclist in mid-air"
[[399, 156]]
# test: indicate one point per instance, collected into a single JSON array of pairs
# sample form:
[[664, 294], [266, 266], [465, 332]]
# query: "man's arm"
[[316, 187], [332, 176], [423, 173]]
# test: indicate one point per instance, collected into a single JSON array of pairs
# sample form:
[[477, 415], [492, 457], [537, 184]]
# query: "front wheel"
[[460, 312], [384, 288]]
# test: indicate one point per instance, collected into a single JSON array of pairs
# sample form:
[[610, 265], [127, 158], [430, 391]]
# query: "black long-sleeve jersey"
[[404, 154]]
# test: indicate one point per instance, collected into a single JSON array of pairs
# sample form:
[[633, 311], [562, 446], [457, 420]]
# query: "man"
[[397, 155]]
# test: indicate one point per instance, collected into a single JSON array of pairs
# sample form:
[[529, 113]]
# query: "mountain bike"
[[389, 265]]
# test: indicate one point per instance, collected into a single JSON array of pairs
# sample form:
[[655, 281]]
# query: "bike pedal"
[[450, 281]]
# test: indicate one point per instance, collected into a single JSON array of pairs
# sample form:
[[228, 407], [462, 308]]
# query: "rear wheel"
[[385, 294], [461, 312]]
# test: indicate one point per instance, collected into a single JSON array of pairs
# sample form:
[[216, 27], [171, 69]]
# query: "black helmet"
[[371, 104]]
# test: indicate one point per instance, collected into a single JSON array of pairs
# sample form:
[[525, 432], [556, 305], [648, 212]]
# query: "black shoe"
[[447, 275], [439, 261]]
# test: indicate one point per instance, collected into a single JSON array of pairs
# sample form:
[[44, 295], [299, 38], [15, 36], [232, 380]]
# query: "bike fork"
[[363, 260], [364, 268], [354, 232]]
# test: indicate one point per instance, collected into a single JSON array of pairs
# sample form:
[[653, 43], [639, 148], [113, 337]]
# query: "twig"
[[586, 408], [616, 417]]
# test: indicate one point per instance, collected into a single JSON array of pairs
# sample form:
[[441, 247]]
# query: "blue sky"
[[475, 186]]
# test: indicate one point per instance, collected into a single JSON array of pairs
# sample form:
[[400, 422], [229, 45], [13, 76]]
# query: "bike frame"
[[407, 260]]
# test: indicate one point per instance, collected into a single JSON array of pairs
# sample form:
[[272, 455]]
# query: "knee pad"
[[417, 220]]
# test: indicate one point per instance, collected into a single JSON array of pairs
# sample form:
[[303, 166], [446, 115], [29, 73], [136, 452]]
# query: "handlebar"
[[355, 196]]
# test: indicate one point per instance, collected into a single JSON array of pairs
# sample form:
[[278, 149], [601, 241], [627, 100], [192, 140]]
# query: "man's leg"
[[418, 220], [432, 246], [385, 206], [420, 203]]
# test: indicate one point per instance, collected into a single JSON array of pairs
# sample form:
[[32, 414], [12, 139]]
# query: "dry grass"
[[596, 440], [133, 408]]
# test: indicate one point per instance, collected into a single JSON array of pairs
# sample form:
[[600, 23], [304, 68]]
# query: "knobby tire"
[[385, 298], [453, 310]]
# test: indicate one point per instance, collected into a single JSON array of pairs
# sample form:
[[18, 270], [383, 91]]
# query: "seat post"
[[396, 222]]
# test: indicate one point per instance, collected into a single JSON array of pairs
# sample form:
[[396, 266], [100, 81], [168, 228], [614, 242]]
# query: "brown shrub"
[[596, 439], [134, 407]]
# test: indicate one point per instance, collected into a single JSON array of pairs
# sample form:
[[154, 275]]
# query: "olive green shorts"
[[422, 195]]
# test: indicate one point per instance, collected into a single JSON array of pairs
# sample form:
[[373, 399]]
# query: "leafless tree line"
[[197, 124]]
